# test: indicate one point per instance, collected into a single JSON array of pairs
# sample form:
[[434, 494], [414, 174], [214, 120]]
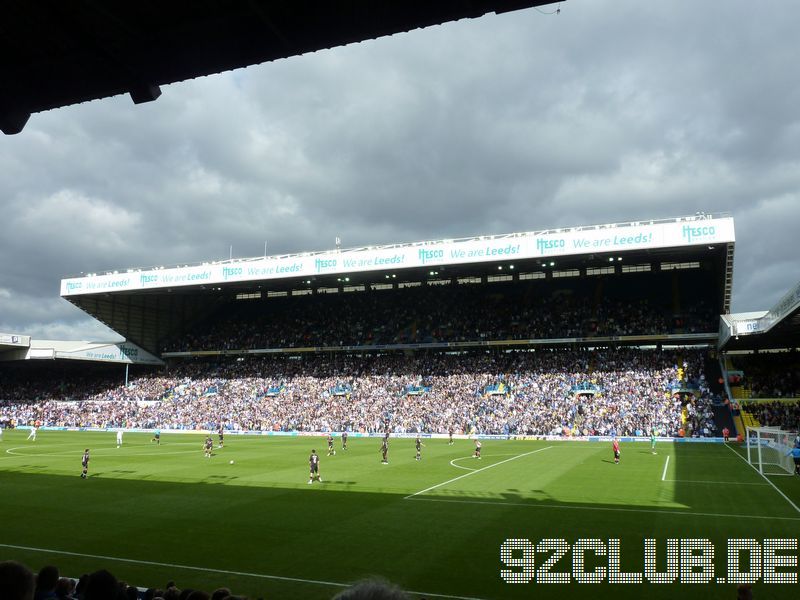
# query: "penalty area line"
[[775, 487], [497, 464], [453, 463], [221, 571], [666, 464]]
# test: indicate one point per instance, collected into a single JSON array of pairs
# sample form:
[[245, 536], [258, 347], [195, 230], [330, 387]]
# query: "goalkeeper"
[[795, 452]]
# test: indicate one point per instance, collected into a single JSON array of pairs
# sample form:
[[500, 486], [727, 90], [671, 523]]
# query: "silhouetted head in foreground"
[[372, 589]]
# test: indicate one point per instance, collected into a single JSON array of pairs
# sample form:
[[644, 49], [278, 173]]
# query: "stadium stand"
[[785, 415], [548, 392], [616, 306], [769, 375]]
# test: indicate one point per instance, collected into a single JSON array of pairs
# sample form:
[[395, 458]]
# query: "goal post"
[[769, 450]]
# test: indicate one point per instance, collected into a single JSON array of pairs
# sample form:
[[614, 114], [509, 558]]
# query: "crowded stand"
[[785, 415], [568, 392], [451, 313], [770, 374]]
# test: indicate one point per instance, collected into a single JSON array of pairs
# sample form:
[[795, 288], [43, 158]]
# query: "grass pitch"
[[153, 513]]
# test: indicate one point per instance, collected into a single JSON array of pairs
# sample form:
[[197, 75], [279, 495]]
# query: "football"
[[231, 462]]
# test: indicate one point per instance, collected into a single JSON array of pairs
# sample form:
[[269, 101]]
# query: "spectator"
[[101, 585], [372, 589], [16, 581], [65, 588], [46, 581]]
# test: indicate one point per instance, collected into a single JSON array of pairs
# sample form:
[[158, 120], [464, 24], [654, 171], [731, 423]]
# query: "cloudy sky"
[[613, 110]]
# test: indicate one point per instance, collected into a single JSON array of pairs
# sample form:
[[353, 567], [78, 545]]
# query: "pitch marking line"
[[785, 497], [714, 482], [433, 487], [666, 464], [222, 571], [604, 508], [452, 462]]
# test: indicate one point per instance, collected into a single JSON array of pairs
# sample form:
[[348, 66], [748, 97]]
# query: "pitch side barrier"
[[357, 434]]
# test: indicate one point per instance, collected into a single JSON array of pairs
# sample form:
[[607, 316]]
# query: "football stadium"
[[464, 418], [572, 412]]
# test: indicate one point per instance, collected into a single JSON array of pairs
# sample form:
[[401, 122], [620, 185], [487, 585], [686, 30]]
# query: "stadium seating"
[[546, 392], [449, 313]]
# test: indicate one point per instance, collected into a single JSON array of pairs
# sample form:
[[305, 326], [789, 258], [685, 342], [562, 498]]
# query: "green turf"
[[258, 517]]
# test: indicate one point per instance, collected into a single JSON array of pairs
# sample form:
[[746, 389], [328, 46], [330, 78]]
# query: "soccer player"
[[85, 463], [221, 434], [344, 440], [795, 452], [32, 434], [725, 434], [418, 443], [157, 437], [450, 431], [653, 441], [615, 446], [385, 450], [331, 451], [313, 465], [477, 450], [119, 438], [208, 446]]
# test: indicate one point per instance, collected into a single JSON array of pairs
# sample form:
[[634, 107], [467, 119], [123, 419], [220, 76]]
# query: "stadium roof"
[[149, 305], [15, 347], [13, 342], [776, 328], [72, 52]]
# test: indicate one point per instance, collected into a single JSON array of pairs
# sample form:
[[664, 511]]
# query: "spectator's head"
[[198, 595], [372, 589], [80, 587], [16, 581], [172, 593], [220, 593], [101, 585], [744, 592], [65, 587], [46, 579]]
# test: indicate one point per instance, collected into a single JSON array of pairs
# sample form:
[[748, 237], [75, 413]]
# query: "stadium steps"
[[737, 420], [740, 392], [749, 420], [676, 294], [598, 297]]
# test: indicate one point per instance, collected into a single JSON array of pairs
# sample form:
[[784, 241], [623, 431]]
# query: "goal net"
[[769, 450]]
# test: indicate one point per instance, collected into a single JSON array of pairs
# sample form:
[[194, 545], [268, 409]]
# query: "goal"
[[769, 450]]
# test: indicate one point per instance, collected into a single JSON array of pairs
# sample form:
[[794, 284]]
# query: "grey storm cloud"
[[613, 110]]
